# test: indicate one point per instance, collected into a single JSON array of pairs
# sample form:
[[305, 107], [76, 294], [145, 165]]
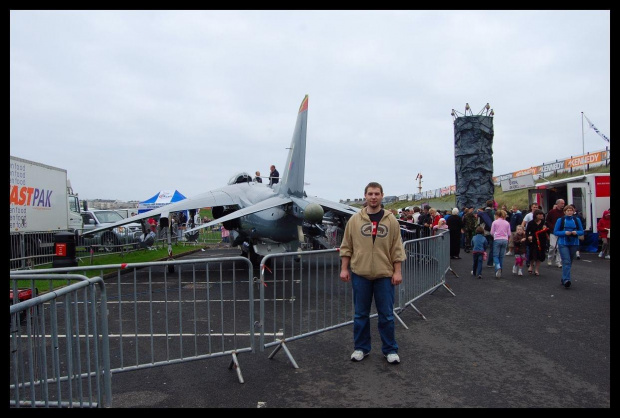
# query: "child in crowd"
[[520, 244], [604, 226], [225, 235], [441, 225], [479, 246]]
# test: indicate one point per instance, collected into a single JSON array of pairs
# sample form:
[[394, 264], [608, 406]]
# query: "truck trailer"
[[41, 204]]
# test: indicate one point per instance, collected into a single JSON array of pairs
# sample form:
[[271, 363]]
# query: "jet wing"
[[224, 196], [269, 203], [339, 207]]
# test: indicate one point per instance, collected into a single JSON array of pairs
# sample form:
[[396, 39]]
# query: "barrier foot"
[[445, 285], [235, 363], [453, 272], [400, 320], [288, 353], [417, 310]]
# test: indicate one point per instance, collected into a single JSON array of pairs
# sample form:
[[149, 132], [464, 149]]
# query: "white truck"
[[589, 193], [41, 204]]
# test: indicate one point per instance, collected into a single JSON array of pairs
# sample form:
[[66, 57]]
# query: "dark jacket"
[[274, 177], [552, 217], [516, 219], [485, 219], [425, 218]]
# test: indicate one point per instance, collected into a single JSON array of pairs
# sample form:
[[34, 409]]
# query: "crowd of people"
[[490, 234]]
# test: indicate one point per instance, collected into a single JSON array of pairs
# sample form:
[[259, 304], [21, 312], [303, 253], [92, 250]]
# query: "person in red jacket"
[[603, 226]]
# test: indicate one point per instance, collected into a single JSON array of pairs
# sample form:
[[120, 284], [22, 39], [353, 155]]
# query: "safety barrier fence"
[[302, 294], [177, 311], [425, 269], [168, 312], [59, 342]]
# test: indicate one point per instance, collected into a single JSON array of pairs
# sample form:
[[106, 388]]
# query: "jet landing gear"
[[248, 251]]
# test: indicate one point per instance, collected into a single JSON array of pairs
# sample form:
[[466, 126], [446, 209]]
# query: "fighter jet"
[[264, 219]]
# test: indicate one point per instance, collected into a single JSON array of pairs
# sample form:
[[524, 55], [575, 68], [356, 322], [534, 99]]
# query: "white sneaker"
[[393, 358], [559, 265], [577, 255], [514, 269], [472, 273], [607, 257], [548, 261], [520, 272], [600, 255], [498, 273], [508, 253], [358, 355]]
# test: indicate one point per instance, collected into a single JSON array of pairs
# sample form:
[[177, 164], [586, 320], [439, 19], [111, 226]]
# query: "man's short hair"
[[373, 184]]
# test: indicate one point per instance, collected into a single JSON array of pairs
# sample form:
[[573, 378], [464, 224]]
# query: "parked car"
[[95, 218]]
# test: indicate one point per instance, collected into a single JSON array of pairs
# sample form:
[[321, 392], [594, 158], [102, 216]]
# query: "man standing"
[[425, 220], [257, 178], [373, 248], [274, 176], [553, 256]]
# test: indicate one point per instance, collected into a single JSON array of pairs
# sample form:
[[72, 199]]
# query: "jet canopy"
[[241, 177]]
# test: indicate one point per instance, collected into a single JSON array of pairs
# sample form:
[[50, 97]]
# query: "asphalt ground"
[[514, 342]]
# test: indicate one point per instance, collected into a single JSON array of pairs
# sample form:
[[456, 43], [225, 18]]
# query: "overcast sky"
[[134, 102]]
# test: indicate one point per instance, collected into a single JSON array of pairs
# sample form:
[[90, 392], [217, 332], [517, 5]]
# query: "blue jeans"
[[499, 251], [568, 254], [477, 267], [383, 291], [490, 242]]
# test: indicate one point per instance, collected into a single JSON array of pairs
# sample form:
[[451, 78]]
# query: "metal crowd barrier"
[[59, 343], [193, 312], [30, 249], [302, 294], [424, 270]]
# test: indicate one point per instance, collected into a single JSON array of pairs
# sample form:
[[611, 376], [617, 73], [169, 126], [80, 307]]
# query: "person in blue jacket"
[[479, 246], [568, 228]]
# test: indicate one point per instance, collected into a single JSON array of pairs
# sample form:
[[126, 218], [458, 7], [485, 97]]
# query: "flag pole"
[[583, 144]]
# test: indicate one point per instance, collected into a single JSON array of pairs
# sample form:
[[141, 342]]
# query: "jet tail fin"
[[292, 181]]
